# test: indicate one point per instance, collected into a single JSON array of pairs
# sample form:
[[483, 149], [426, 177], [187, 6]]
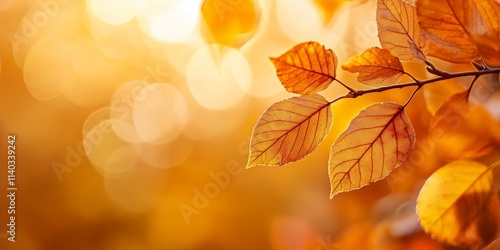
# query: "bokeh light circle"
[[47, 72], [159, 113], [115, 12], [108, 153], [170, 21], [166, 155], [122, 110], [218, 76]]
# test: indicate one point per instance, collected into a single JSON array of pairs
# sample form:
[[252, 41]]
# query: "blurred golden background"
[[133, 120]]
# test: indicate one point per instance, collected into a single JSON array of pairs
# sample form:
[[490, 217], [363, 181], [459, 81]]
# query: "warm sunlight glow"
[[250, 124], [170, 21], [310, 25], [115, 12]]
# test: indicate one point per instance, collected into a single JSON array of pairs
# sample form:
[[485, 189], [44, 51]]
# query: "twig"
[[417, 83]]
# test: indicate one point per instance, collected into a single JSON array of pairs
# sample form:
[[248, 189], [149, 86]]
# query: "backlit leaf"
[[398, 30], [446, 25], [376, 67], [488, 41], [456, 205], [463, 127], [376, 142], [289, 130], [307, 68]]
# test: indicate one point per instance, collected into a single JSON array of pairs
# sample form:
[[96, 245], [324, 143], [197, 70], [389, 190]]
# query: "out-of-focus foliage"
[[457, 205]]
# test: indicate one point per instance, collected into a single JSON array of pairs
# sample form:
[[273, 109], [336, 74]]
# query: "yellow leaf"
[[328, 7], [376, 142], [307, 68], [446, 25], [289, 130], [463, 127], [398, 30], [456, 205], [229, 22], [376, 67]]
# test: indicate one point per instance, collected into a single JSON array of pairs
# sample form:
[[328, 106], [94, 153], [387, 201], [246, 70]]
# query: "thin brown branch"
[[417, 83]]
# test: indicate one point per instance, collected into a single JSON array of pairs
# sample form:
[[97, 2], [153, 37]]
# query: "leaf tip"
[[335, 192], [249, 166]]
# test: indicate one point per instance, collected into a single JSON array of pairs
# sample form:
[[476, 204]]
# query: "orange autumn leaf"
[[456, 205], [229, 22], [462, 123], [289, 130], [376, 142], [376, 67], [488, 41], [446, 25], [398, 30], [307, 68]]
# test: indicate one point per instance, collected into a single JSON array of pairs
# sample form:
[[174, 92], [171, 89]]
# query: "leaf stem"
[[412, 95], [345, 86], [412, 77], [470, 87]]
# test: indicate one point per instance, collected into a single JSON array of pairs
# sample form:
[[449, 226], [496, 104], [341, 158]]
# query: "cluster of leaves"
[[457, 204]]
